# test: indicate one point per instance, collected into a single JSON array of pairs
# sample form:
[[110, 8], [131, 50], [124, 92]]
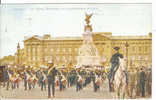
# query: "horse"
[[120, 85]]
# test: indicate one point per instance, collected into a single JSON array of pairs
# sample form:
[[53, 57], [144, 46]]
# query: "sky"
[[58, 20], [76, 1]]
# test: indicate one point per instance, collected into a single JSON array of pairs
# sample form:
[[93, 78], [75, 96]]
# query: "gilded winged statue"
[[88, 18]]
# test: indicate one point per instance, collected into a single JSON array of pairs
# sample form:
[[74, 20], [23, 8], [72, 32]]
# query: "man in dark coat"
[[142, 82], [115, 63], [60, 82], [43, 80], [78, 82], [149, 81], [6, 76], [92, 75], [52, 72]]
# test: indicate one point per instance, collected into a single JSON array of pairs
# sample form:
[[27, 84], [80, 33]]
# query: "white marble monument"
[[88, 53]]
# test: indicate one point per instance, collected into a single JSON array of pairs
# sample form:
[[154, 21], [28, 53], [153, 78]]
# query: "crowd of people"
[[140, 81], [47, 78]]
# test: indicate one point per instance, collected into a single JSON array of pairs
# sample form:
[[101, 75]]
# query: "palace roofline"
[[130, 37], [66, 38], [104, 34]]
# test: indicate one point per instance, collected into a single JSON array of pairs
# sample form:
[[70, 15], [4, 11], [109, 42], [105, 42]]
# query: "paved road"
[[36, 93], [70, 92]]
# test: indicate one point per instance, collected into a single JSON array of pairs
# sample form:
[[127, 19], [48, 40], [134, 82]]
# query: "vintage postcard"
[[76, 51]]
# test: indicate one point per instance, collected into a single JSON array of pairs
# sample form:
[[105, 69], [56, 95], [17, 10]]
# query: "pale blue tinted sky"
[[68, 20]]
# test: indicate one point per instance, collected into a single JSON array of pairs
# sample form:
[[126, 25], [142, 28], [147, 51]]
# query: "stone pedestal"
[[88, 53]]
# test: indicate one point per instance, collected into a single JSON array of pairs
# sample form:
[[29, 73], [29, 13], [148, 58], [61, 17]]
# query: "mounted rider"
[[114, 65]]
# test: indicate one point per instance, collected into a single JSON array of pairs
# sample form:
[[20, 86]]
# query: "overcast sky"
[[18, 21]]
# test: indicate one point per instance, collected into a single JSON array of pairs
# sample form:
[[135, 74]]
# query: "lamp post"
[[18, 54], [127, 45], [146, 60]]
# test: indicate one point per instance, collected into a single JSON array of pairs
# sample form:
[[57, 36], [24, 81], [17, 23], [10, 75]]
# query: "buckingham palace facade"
[[38, 50]]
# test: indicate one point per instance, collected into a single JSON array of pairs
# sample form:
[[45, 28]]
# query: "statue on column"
[[88, 27]]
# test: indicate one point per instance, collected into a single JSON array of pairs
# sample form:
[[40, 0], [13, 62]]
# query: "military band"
[[139, 79]]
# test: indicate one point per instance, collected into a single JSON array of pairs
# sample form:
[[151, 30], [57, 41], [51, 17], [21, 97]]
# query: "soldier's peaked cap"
[[116, 48]]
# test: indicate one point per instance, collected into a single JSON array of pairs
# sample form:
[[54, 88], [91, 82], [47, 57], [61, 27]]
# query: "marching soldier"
[[149, 82], [39, 76], [60, 82], [138, 82], [6, 76], [43, 80], [51, 80], [34, 79], [29, 80], [142, 82], [132, 82], [79, 82], [92, 74], [17, 79], [25, 79], [97, 83], [68, 79], [9, 75], [63, 81]]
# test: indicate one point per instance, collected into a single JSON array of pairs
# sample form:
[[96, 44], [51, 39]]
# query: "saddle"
[[113, 73]]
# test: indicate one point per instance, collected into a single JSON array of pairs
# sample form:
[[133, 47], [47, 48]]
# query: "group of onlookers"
[[140, 82], [139, 79]]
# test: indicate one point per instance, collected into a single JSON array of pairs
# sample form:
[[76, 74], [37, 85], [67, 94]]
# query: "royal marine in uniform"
[[52, 72]]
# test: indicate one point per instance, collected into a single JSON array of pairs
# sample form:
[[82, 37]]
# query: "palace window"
[[38, 58], [76, 49], [63, 58], [58, 50], [64, 50], [146, 49], [58, 58], [33, 50], [45, 49], [29, 50], [38, 50], [103, 49], [132, 58], [69, 50], [46, 58], [75, 58], [70, 58], [133, 49], [29, 58], [139, 49], [34, 59], [52, 49]]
